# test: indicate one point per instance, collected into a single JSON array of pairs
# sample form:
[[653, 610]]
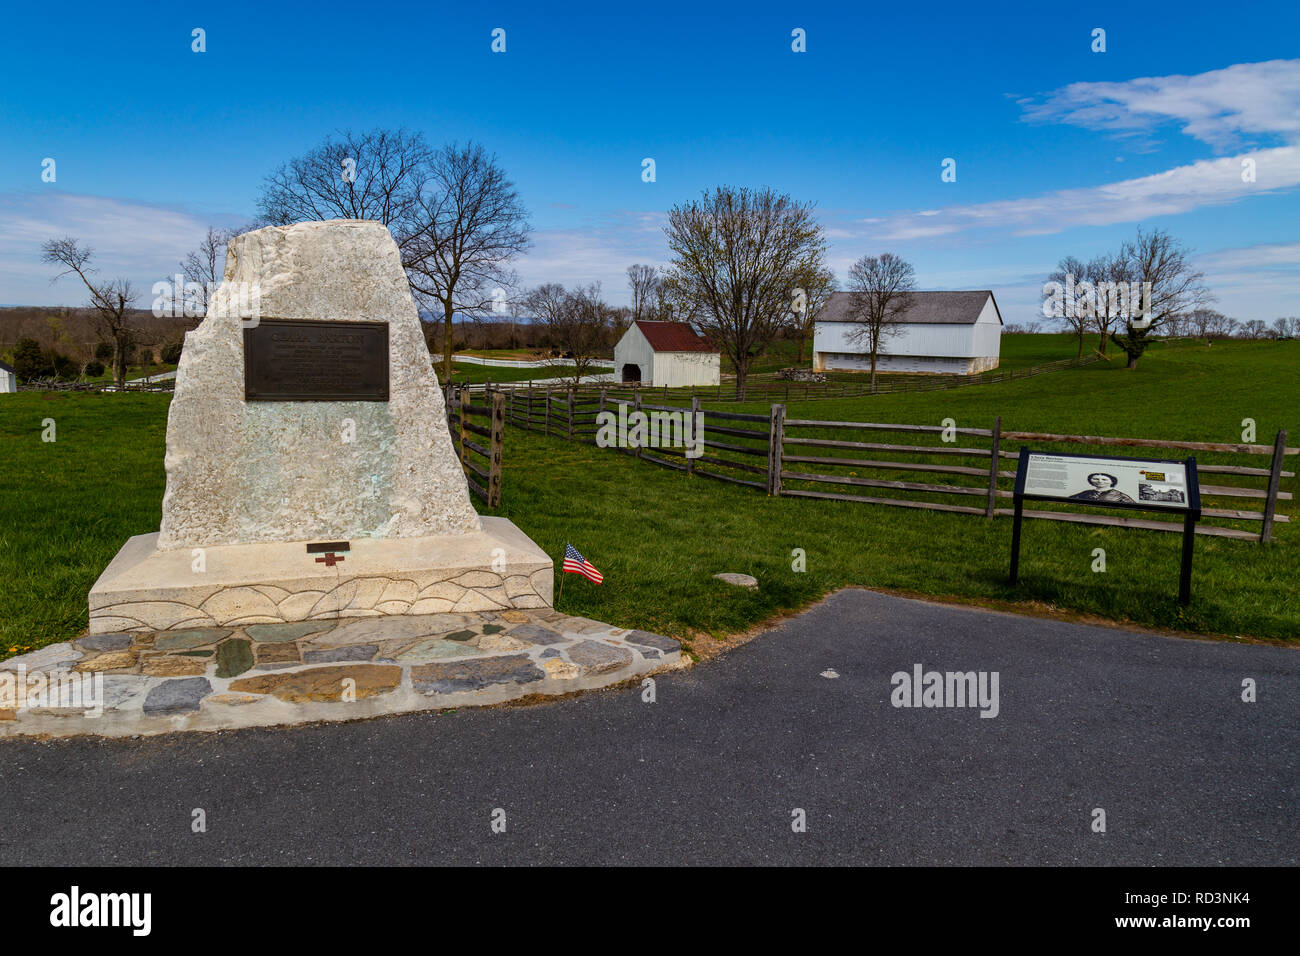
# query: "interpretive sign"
[[1106, 481], [1102, 481], [290, 360]]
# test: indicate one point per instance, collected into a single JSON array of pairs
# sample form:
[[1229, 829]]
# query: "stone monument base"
[[270, 583]]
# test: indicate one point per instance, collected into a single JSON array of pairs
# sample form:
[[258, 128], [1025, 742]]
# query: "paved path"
[[1151, 729]]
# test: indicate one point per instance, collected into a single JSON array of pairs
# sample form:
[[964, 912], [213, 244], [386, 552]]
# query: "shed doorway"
[[631, 373]]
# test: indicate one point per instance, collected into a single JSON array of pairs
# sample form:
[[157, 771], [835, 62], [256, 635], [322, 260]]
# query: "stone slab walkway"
[[152, 682]]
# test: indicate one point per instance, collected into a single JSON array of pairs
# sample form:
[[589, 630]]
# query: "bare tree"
[[1160, 263], [111, 301], [372, 175], [811, 294], [1254, 329], [644, 282], [621, 318], [204, 268], [1286, 328], [468, 226], [1176, 326], [577, 320], [546, 302], [1204, 322], [1078, 317], [881, 290], [1224, 327], [737, 255], [1110, 277]]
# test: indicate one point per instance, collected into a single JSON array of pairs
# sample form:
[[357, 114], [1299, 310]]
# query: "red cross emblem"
[[329, 559]]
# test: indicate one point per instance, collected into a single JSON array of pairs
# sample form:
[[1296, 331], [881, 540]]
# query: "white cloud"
[[135, 240], [145, 243], [1207, 182], [1255, 282], [600, 250], [1222, 107], [1280, 256]]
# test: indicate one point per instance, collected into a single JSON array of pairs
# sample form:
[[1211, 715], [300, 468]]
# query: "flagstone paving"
[[307, 671]]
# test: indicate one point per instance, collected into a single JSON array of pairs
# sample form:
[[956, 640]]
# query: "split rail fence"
[[912, 466], [480, 460]]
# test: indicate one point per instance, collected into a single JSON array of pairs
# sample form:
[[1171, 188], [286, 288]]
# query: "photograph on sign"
[[1105, 481]]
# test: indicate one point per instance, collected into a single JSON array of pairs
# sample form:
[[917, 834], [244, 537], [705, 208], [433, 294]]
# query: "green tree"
[[29, 360], [738, 256], [1161, 267]]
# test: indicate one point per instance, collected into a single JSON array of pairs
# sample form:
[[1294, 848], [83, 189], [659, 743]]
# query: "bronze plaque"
[[292, 360]]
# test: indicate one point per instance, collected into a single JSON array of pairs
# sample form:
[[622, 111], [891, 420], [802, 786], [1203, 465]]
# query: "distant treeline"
[[70, 332]]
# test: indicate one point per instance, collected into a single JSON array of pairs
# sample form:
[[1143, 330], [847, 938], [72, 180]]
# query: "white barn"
[[953, 333], [8, 379], [665, 353]]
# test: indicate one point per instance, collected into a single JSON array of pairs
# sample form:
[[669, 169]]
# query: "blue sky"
[[1059, 150]]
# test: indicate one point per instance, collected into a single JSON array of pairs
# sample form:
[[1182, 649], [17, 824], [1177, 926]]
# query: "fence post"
[[697, 437], [993, 469], [775, 450], [602, 400], [1274, 482], [498, 446], [546, 420], [464, 414], [637, 407], [570, 414]]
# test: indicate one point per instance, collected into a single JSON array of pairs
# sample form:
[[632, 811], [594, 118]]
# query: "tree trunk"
[[1132, 361], [873, 373], [119, 363], [447, 314], [802, 339], [1080, 355], [741, 372], [1102, 349]]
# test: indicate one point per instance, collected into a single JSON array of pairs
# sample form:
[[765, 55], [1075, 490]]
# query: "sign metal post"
[[1133, 484]]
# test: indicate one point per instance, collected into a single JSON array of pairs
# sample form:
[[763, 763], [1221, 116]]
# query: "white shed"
[[953, 333], [665, 353], [8, 379]]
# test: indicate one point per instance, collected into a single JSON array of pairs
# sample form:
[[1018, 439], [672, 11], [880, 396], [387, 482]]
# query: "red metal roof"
[[672, 337]]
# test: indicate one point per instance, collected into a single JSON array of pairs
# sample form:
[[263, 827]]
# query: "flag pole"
[[561, 594]]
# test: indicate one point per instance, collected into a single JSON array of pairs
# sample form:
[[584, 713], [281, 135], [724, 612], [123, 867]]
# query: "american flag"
[[577, 564]]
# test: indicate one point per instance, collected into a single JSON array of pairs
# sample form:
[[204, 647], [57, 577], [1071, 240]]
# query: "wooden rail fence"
[[963, 470], [480, 462]]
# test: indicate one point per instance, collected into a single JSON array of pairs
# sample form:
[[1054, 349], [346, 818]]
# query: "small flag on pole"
[[575, 563]]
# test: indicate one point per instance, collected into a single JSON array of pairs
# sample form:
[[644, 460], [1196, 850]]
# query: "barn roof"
[[5, 368], [928, 308], [672, 337]]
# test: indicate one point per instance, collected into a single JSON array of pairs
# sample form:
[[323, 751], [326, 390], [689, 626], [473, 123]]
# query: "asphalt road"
[[1150, 729]]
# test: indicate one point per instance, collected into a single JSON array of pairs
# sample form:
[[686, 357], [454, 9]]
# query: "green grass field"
[[464, 373], [658, 536], [1018, 351]]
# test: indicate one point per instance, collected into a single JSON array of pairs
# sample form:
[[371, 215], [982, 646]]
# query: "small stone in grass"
[[739, 580]]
